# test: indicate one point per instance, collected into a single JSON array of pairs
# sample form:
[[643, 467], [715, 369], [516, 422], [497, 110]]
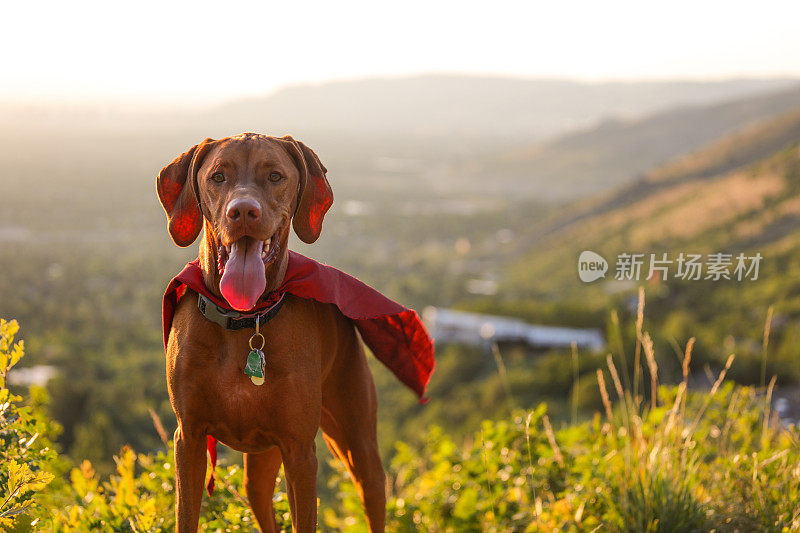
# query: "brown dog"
[[249, 189]]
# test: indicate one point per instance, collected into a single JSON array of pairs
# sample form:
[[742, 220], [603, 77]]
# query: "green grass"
[[665, 458]]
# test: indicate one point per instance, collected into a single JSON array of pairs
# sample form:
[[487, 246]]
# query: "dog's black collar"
[[233, 320]]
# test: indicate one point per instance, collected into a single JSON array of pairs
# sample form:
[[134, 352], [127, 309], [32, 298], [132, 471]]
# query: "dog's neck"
[[275, 271]]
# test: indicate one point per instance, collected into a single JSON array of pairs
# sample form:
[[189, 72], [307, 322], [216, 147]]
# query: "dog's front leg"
[[300, 465], [190, 472]]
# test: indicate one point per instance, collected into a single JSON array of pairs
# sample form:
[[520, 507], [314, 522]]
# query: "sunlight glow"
[[199, 51]]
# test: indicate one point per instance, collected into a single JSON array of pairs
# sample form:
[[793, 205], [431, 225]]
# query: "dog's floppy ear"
[[177, 190], [314, 197]]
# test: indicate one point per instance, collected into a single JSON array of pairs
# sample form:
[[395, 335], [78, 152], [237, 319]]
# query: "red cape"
[[393, 333]]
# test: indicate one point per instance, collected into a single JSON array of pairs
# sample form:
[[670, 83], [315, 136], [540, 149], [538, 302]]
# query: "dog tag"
[[255, 367]]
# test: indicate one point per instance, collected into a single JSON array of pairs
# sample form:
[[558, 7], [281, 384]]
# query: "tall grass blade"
[[621, 348], [501, 370], [765, 345], [647, 344], [708, 398], [551, 437], [601, 382], [575, 376]]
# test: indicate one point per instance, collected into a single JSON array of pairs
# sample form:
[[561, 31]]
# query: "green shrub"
[[140, 498], [666, 459], [28, 461], [669, 459]]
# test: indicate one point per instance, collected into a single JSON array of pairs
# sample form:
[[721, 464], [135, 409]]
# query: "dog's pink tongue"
[[244, 278]]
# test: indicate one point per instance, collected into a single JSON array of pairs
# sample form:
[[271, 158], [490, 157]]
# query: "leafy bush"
[[140, 498], [673, 460], [28, 461], [665, 459]]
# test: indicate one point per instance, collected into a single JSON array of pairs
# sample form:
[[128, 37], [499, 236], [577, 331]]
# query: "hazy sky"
[[197, 51]]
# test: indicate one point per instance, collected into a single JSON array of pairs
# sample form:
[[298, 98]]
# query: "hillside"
[[86, 258], [412, 135], [470, 107], [715, 196], [740, 194], [616, 152], [423, 106]]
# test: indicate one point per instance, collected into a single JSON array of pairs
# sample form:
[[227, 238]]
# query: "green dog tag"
[[255, 367]]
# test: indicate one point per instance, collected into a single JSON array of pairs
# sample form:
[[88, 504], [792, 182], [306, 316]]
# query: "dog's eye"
[[275, 176], [218, 177]]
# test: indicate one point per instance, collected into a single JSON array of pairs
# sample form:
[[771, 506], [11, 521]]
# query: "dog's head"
[[245, 191]]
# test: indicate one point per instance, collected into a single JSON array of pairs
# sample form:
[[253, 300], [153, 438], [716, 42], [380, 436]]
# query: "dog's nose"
[[243, 208]]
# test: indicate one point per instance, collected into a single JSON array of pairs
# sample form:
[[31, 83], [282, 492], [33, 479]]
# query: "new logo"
[[591, 266]]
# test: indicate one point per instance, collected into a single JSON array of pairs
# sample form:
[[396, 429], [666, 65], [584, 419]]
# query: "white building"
[[37, 375], [448, 325]]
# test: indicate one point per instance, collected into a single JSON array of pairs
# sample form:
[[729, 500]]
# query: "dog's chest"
[[211, 391], [241, 414], [234, 389]]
